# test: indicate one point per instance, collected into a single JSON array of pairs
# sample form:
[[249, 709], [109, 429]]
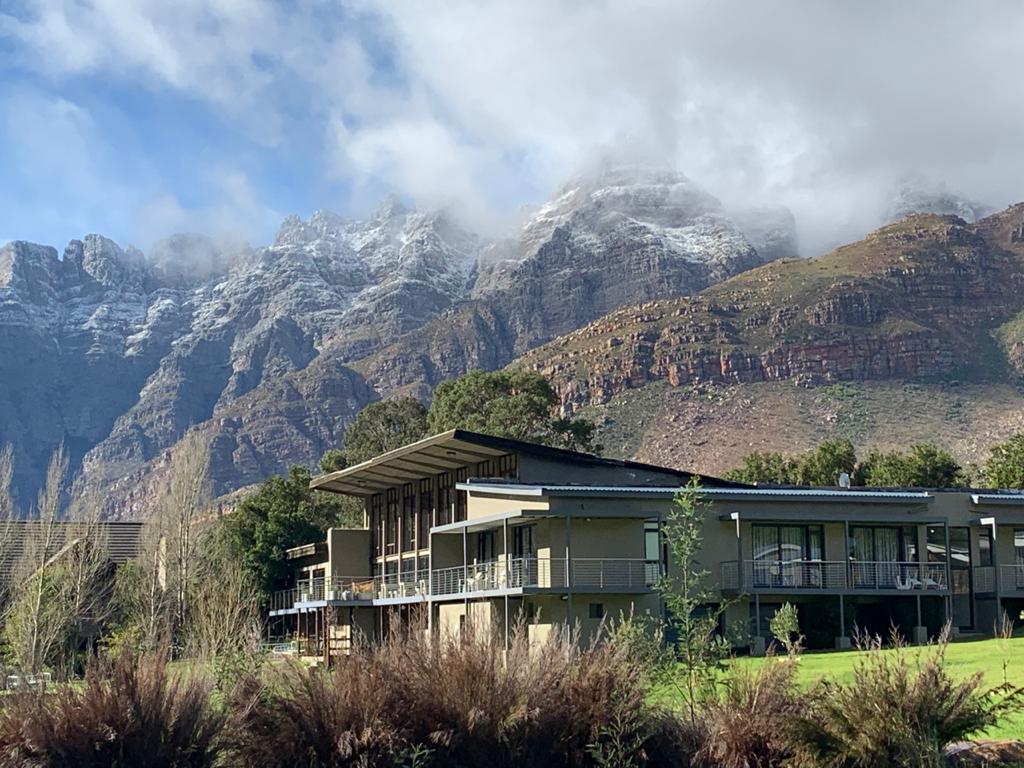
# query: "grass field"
[[963, 658]]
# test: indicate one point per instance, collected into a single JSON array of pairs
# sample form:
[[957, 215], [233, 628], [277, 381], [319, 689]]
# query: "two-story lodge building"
[[463, 527]]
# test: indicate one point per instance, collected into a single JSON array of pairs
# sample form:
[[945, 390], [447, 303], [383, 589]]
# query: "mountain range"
[[271, 351]]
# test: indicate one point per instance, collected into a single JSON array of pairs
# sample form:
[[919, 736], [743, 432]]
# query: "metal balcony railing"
[[534, 572], [769, 575], [546, 573], [1008, 578]]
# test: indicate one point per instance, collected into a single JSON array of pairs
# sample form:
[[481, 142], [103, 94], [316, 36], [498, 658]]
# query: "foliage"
[[129, 713], [694, 615], [785, 626], [1005, 465], [746, 724], [923, 466], [451, 702], [282, 513], [378, 428], [899, 710], [820, 466], [517, 404]]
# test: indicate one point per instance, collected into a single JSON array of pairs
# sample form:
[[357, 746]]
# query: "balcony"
[[546, 573], [1010, 579], [523, 573], [831, 576]]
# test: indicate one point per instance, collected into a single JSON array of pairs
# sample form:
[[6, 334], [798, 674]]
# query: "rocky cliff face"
[[117, 355], [271, 351], [616, 237], [929, 297]]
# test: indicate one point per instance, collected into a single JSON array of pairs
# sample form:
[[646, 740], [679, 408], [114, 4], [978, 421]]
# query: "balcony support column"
[[949, 583], [465, 571], [757, 644], [843, 640], [568, 576], [430, 583], [504, 533]]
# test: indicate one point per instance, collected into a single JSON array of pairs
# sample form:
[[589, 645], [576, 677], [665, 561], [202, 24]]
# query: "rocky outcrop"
[[916, 300]]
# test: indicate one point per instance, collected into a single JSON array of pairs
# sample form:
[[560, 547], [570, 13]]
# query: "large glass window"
[[985, 547], [377, 524], [445, 497], [788, 555], [408, 517], [426, 510], [391, 527], [522, 541], [879, 555], [461, 497]]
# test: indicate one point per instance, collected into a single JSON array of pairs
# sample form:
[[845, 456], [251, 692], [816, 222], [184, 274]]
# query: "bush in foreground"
[[128, 714], [900, 710], [455, 703]]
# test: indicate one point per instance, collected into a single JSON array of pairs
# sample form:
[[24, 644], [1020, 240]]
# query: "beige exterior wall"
[[348, 552]]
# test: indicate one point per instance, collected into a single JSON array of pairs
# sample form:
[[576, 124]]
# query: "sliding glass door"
[[879, 553], [788, 555]]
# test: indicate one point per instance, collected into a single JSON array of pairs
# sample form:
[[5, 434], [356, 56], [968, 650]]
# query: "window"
[[485, 551], [1018, 557], [522, 541], [880, 555], [985, 546], [445, 497], [377, 525], [426, 511], [391, 527], [461, 497], [408, 517], [499, 468], [655, 551], [788, 555], [596, 610]]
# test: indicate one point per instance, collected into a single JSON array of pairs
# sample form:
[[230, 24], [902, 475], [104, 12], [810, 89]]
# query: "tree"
[[765, 468], [383, 426], [36, 622], [282, 513], [182, 512], [224, 625], [820, 466], [694, 609], [823, 465], [923, 466], [1005, 465], [517, 404]]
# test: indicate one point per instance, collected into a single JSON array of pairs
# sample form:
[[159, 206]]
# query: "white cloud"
[[237, 216], [822, 106]]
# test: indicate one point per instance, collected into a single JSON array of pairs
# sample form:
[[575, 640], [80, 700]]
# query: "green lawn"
[[963, 658]]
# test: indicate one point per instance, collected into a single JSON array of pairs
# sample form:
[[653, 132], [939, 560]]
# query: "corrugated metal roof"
[[997, 498], [817, 494], [122, 540]]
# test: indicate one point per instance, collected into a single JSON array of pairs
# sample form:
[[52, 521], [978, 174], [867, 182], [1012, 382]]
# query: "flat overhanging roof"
[[454, 449], [998, 499], [731, 494]]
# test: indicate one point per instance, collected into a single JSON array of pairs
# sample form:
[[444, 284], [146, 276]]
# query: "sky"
[[140, 118]]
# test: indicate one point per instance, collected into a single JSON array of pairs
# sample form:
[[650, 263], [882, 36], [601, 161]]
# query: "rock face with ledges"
[[928, 297]]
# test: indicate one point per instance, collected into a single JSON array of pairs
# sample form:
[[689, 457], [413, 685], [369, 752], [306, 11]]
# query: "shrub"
[[899, 710], [129, 712], [464, 702], [747, 724]]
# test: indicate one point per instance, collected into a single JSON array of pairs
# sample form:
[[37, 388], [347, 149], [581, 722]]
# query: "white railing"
[[1011, 578], [546, 573], [532, 572], [768, 575], [407, 584]]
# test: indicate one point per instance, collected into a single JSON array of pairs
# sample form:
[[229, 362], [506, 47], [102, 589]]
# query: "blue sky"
[[139, 118]]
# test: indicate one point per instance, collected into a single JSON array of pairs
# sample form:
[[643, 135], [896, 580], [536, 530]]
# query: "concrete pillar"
[[843, 640], [919, 635]]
